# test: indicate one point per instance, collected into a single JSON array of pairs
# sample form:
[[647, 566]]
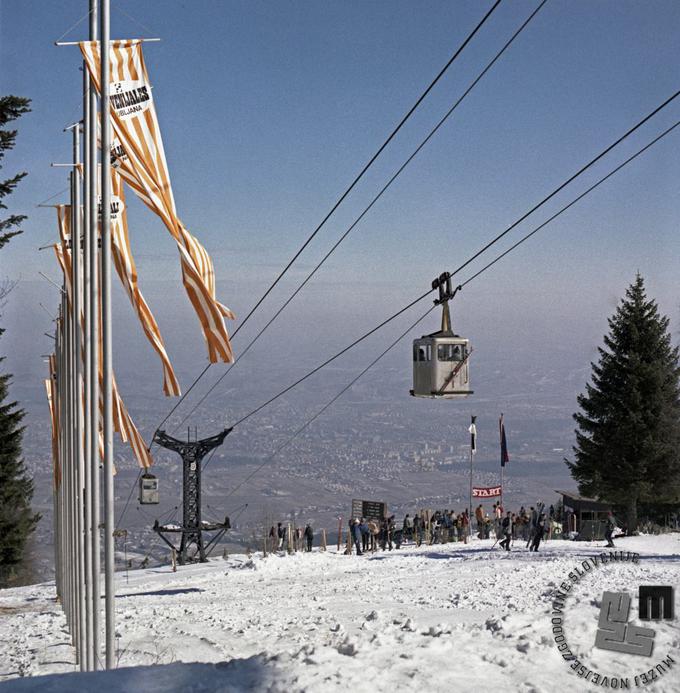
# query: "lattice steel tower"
[[192, 454]]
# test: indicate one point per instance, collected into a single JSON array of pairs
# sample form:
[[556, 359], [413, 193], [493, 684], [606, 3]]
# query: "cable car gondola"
[[441, 359], [148, 490]]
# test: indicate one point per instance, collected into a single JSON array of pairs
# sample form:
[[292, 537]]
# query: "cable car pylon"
[[441, 359], [192, 454]]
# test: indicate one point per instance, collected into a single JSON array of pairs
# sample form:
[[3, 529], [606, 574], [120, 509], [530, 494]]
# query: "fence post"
[[323, 540]]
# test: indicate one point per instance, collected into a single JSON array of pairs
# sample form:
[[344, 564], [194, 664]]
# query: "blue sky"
[[268, 110]]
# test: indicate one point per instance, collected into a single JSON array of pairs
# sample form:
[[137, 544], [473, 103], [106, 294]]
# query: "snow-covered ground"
[[450, 617]]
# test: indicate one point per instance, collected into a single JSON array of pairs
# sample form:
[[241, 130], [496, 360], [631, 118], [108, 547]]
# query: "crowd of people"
[[531, 525]]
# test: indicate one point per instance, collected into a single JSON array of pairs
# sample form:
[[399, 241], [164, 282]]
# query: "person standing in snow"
[[498, 519], [417, 524], [280, 532], [374, 529], [479, 516], [365, 534], [539, 532], [408, 527], [506, 525], [533, 521], [610, 526], [356, 535], [389, 535], [309, 536]]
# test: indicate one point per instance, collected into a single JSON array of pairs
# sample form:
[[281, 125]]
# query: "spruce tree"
[[17, 521], [627, 448], [11, 108]]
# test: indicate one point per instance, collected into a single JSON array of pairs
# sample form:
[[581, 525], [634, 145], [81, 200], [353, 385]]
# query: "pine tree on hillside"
[[627, 448], [11, 108], [17, 521]]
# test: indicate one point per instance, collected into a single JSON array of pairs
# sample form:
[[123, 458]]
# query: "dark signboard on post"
[[371, 510]]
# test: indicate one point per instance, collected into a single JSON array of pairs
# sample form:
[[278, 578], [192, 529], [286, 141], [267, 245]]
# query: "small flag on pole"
[[473, 435], [505, 458]]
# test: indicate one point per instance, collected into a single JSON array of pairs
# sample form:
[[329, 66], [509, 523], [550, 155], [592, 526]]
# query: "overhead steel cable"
[[418, 149], [467, 281], [495, 240], [573, 202], [341, 199], [309, 422]]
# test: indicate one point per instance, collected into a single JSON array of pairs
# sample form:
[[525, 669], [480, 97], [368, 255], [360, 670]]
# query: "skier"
[[498, 519], [408, 527], [417, 528], [479, 516], [533, 519], [365, 534], [390, 531], [374, 529], [609, 530], [539, 531], [506, 525], [356, 535], [309, 536]]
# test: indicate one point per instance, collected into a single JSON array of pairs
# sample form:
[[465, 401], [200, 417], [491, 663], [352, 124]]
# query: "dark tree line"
[[17, 520], [627, 450]]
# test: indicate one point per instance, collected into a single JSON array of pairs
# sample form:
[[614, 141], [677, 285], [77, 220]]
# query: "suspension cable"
[[573, 202], [486, 247], [474, 276], [413, 155], [495, 240], [310, 421], [356, 180]]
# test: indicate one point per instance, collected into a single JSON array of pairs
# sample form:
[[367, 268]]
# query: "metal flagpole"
[[473, 443], [87, 346], [93, 252], [68, 339], [500, 439], [62, 457], [79, 462], [106, 333]]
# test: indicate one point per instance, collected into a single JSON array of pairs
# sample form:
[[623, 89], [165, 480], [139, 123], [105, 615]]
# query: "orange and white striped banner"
[[122, 421], [51, 389], [127, 271], [138, 155]]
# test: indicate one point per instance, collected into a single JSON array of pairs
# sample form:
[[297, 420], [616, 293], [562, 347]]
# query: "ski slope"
[[450, 617]]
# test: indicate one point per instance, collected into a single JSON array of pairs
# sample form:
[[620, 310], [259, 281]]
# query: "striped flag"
[[139, 157], [505, 458], [127, 271], [122, 421], [51, 389], [473, 435]]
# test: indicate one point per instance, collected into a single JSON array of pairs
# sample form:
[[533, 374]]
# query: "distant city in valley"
[[376, 442]]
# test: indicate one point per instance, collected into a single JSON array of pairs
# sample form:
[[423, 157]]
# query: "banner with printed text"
[[138, 156], [486, 491]]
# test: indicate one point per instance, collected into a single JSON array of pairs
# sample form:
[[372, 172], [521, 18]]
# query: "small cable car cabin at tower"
[[441, 359]]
